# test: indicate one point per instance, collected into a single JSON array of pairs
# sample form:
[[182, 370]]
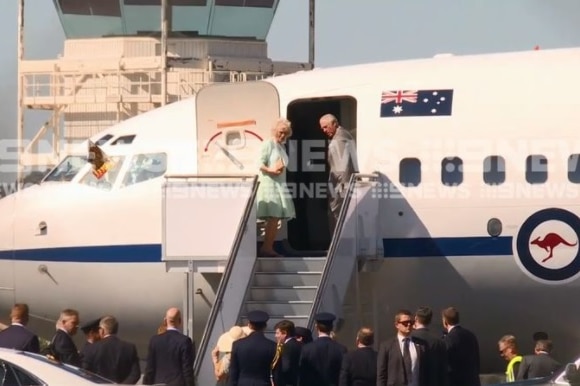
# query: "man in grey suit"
[[539, 365], [342, 161]]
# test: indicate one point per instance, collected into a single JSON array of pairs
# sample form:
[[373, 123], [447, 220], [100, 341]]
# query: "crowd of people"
[[169, 359], [244, 356], [413, 356]]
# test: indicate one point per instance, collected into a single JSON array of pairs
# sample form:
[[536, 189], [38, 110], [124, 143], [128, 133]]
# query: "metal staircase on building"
[[292, 288]]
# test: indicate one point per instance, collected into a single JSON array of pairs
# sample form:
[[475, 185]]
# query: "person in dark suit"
[[252, 356], [171, 355], [62, 346], [539, 365], [91, 331], [111, 357], [303, 335], [321, 360], [287, 358], [400, 359], [435, 355], [17, 336], [359, 367], [462, 351]]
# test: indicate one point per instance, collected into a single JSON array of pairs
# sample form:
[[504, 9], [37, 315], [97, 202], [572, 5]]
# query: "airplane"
[[480, 203]]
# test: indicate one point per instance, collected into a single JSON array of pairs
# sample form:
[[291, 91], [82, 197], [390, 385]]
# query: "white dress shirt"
[[413, 352]]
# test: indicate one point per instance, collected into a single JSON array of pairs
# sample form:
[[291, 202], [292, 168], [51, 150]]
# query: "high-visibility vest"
[[509, 374]]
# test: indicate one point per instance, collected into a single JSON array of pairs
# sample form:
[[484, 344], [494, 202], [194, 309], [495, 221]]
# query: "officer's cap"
[[302, 331], [324, 318], [90, 326], [258, 316]]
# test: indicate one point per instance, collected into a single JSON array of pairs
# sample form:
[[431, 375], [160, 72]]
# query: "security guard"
[[508, 349], [91, 331], [321, 360], [252, 356]]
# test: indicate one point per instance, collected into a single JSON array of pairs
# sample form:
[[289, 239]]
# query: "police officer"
[[252, 357], [321, 360], [91, 331]]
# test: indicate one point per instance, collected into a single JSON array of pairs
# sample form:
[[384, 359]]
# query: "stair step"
[[290, 264], [286, 278], [280, 307], [282, 293], [298, 320]]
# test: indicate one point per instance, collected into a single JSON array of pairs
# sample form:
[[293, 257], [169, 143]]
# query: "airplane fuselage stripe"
[[448, 246], [151, 253]]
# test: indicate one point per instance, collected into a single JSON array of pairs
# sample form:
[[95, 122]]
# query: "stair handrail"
[[227, 273], [334, 242]]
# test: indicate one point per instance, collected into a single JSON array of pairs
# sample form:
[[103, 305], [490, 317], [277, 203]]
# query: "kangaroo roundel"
[[547, 246]]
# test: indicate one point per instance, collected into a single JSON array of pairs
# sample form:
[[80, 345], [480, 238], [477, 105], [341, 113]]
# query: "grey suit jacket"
[[342, 158], [537, 366]]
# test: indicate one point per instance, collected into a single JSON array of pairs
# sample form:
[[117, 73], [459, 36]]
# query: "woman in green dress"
[[273, 197]]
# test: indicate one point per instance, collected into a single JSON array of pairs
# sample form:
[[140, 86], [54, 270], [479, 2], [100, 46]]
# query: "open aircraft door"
[[232, 122]]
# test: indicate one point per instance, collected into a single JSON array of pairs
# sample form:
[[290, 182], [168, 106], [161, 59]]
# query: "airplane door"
[[232, 121]]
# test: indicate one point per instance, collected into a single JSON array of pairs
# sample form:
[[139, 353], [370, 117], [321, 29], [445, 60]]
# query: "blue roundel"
[[550, 243]]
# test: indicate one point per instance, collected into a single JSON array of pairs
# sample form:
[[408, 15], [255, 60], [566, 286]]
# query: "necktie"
[[407, 364], [278, 354]]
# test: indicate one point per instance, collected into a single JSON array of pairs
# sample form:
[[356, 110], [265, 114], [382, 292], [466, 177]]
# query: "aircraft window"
[[410, 172], [536, 169], [125, 140], [145, 167], [107, 181], [494, 170], [67, 169], [452, 171], [103, 140], [574, 168]]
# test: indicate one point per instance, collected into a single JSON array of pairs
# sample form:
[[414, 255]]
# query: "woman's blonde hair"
[[283, 124]]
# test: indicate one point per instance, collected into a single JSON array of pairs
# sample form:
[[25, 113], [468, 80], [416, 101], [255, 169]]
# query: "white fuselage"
[[102, 248]]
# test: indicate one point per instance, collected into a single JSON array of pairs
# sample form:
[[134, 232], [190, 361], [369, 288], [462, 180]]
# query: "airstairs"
[[292, 288]]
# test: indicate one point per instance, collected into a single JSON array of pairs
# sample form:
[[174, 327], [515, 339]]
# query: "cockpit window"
[[145, 167], [125, 140], [67, 169], [107, 181], [103, 140]]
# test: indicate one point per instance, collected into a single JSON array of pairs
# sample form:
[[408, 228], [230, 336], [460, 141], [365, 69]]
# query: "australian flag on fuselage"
[[413, 103]]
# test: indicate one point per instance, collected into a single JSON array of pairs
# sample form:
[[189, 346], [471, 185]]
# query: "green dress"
[[274, 199]]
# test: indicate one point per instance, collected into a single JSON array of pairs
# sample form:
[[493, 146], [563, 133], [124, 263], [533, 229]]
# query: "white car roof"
[[50, 372]]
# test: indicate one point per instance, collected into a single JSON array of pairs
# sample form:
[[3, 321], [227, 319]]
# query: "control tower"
[[124, 57]]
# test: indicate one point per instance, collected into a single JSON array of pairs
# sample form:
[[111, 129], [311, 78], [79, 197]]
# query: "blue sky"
[[348, 32]]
